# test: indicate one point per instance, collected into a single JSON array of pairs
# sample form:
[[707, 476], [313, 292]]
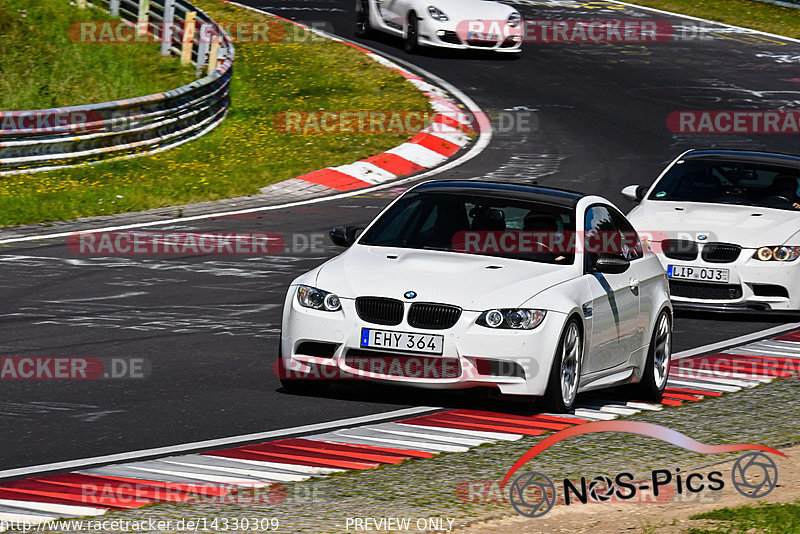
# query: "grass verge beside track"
[[776, 518], [746, 13], [42, 68], [245, 152]]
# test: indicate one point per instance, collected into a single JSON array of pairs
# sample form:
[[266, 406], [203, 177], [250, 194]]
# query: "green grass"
[[747, 13], [245, 152], [43, 68], [781, 518]]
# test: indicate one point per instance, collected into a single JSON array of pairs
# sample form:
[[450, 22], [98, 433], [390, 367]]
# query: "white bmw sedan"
[[463, 24], [726, 226], [528, 290]]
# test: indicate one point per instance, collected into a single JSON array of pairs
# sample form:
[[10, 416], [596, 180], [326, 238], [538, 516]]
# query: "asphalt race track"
[[206, 327]]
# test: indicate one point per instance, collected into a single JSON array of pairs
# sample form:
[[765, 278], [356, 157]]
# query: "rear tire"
[[363, 26], [411, 40], [298, 386], [565, 373], [656, 369]]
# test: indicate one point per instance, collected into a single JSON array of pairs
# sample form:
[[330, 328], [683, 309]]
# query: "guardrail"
[[32, 141]]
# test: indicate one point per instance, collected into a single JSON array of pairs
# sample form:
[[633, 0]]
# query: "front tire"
[[411, 40], [363, 26], [656, 369], [565, 373]]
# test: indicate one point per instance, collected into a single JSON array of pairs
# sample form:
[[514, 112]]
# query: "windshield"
[[725, 182], [469, 224]]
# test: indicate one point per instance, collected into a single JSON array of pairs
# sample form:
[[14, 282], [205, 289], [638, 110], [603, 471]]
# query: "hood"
[[748, 226], [469, 281], [473, 9]]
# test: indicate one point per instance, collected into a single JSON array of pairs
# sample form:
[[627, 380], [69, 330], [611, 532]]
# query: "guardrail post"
[[113, 7], [202, 47], [212, 55], [188, 37], [168, 27], [144, 16]]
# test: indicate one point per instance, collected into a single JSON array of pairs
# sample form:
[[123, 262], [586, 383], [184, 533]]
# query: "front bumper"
[[753, 286], [445, 35], [518, 361]]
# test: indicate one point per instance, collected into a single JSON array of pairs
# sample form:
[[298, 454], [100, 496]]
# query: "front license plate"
[[404, 341], [477, 36], [705, 274]]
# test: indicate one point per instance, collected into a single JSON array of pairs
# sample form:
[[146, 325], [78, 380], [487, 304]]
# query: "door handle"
[[634, 285]]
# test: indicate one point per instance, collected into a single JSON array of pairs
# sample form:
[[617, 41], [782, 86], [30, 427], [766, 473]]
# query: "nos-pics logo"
[[533, 494]]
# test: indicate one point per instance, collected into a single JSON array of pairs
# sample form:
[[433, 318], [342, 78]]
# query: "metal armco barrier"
[[39, 140]]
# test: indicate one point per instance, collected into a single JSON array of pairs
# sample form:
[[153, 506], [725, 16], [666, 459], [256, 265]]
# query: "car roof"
[[742, 156], [545, 195]]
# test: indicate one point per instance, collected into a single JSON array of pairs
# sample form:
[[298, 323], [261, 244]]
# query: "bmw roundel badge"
[[410, 294], [702, 237]]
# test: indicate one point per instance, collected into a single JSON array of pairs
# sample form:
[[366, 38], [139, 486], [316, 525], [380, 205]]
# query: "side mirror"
[[634, 192], [611, 264], [344, 236]]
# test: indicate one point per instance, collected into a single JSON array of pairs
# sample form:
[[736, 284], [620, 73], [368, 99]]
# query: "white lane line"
[[493, 436], [211, 443], [297, 468], [698, 384], [735, 341], [65, 509], [698, 19]]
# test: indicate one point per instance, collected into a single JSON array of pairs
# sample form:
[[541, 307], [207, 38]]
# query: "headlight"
[[517, 319], [514, 19], [437, 14], [779, 253], [311, 297]]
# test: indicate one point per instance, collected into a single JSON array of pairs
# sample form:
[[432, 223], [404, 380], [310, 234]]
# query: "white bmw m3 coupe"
[[462, 24], [726, 226], [527, 290]]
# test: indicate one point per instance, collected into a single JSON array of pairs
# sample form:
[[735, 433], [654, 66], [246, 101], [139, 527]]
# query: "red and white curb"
[[450, 131], [217, 473]]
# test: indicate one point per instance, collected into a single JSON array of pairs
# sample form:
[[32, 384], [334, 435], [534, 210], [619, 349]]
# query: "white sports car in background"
[[464, 24], [468, 284], [726, 226]]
